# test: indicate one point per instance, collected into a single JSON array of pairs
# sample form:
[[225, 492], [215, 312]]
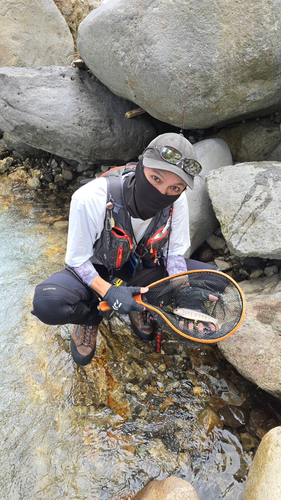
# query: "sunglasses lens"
[[192, 167], [170, 154]]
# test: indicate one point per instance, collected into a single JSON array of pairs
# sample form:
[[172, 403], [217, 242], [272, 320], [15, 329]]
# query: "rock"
[[205, 255], [19, 148], [215, 242], [68, 113], [248, 210], [172, 488], [233, 416], [19, 176], [253, 140], [270, 270], [248, 441], [211, 154], [208, 420], [33, 34], [276, 154], [256, 274], [255, 349], [162, 57], [223, 265], [67, 174], [6, 164], [33, 183], [264, 480]]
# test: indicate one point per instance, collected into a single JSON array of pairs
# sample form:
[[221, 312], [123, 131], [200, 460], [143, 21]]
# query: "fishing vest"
[[116, 243]]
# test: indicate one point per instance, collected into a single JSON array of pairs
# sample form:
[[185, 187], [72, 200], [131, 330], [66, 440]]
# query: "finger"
[[138, 307], [144, 289], [213, 298], [135, 290], [212, 327], [191, 326], [200, 327], [181, 324]]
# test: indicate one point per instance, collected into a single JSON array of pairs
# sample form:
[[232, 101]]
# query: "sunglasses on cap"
[[174, 156]]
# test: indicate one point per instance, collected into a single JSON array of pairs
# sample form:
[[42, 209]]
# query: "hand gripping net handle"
[[190, 291]]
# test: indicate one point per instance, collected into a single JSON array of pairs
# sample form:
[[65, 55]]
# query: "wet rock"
[[172, 488], [6, 164], [208, 420], [233, 416], [33, 183], [264, 480], [248, 441], [19, 176]]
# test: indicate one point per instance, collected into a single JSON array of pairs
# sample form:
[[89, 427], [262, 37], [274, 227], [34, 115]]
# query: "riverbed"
[[132, 415]]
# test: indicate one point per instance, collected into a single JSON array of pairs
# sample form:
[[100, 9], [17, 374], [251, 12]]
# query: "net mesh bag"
[[188, 302]]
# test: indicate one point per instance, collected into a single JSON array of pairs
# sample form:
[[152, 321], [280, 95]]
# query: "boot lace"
[[88, 335]]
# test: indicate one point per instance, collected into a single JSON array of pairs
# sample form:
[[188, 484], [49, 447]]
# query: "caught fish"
[[193, 315]]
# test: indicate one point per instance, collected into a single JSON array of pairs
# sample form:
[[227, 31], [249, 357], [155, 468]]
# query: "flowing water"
[[102, 431]]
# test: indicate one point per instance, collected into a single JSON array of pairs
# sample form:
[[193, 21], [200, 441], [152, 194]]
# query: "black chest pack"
[[116, 245]]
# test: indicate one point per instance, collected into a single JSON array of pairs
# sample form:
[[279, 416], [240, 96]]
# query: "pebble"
[[33, 183], [233, 416], [223, 265], [67, 174], [257, 273], [215, 242], [248, 442], [270, 270]]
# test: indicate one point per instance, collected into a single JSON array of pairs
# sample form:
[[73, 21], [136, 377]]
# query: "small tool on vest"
[[110, 222]]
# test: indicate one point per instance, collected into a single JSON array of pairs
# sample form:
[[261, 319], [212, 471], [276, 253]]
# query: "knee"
[[53, 305], [51, 310]]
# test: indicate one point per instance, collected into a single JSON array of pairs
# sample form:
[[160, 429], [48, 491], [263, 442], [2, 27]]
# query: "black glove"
[[192, 298], [120, 299]]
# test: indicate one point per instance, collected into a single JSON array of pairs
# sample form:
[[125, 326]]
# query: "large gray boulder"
[[212, 154], [264, 480], [255, 349], [213, 55], [33, 34], [247, 202], [67, 112], [253, 140]]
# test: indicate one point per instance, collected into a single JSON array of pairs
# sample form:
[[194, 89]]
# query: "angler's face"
[[165, 182]]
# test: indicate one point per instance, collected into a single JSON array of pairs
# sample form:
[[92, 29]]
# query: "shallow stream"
[[104, 431]]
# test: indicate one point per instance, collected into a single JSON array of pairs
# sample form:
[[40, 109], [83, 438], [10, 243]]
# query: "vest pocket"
[[121, 247]]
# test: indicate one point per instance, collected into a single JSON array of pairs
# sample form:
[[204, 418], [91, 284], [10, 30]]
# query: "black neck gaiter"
[[143, 200]]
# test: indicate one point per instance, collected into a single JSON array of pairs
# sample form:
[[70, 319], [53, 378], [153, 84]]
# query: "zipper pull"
[[155, 256]]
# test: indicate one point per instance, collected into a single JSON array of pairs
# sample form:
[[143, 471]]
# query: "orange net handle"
[[103, 305]]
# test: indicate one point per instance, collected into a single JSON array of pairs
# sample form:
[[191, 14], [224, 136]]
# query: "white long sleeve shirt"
[[86, 222]]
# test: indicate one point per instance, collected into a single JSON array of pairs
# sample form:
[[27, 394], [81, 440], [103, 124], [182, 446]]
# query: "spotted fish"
[[195, 315]]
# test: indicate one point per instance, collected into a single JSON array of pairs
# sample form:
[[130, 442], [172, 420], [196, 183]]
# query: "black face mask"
[[143, 200]]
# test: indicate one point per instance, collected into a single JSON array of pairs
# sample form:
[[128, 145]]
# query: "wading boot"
[[83, 343], [142, 325]]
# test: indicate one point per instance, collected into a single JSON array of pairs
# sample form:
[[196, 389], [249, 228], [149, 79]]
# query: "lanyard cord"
[[168, 244]]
